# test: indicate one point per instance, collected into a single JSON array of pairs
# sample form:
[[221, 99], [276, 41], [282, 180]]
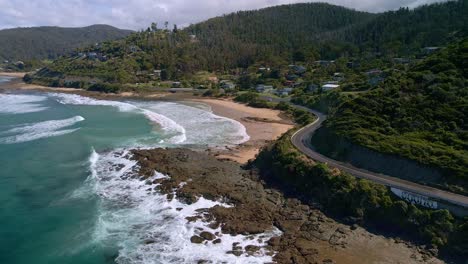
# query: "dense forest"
[[420, 114], [275, 36], [51, 42]]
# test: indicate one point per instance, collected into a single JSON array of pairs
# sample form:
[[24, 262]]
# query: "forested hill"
[[284, 28], [402, 31], [275, 36], [51, 42], [334, 30]]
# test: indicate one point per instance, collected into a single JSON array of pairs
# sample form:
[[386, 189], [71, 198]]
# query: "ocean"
[[68, 188]]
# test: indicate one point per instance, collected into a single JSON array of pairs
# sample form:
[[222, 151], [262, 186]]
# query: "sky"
[[138, 14]]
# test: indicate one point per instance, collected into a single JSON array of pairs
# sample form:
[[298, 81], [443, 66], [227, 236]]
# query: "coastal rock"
[[207, 236], [197, 240], [235, 252], [255, 209], [251, 249]]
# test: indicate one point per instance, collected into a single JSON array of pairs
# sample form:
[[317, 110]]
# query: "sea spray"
[[149, 228]]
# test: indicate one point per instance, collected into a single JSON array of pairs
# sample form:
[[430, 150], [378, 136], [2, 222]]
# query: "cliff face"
[[339, 148]]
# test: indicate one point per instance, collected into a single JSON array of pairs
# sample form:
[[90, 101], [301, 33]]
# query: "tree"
[[164, 75], [245, 82], [298, 56], [154, 26]]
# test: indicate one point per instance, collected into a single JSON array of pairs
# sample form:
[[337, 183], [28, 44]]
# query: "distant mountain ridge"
[[52, 42]]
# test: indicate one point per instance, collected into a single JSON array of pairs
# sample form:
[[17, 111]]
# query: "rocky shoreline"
[[307, 235]]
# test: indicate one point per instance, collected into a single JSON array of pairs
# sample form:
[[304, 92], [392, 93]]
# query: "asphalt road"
[[301, 140]]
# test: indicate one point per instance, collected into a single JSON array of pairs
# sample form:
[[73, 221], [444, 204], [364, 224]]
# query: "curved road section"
[[301, 140]]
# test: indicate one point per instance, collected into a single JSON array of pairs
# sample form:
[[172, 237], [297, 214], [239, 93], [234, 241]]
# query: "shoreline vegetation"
[[281, 166]]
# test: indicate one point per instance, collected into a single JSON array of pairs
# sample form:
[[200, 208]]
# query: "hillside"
[[333, 31], [404, 31], [275, 36], [51, 42], [419, 114], [276, 32]]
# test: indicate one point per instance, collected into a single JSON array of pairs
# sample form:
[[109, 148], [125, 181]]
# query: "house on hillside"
[[102, 57], [353, 64], [338, 76], [374, 72], [92, 55], [401, 60], [141, 73], [263, 69], [261, 88], [284, 91], [193, 38], [133, 48], [213, 79], [292, 77], [298, 70], [227, 85], [329, 87], [374, 76], [324, 62], [157, 73], [430, 50], [181, 90]]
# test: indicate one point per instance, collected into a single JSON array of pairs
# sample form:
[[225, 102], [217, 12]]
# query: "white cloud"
[[138, 14]]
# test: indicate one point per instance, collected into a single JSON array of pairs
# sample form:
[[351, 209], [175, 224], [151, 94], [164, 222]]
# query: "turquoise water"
[[67, 194]]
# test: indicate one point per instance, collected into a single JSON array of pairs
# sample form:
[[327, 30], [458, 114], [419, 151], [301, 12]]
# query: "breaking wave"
[[166, 124], [21, 104], [45, 129], [203, 127], [149, 228]]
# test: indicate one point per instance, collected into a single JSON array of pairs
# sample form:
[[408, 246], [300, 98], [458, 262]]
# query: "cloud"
[[138, 14]]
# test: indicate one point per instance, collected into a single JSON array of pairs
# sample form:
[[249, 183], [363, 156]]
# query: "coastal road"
[[301, 140]]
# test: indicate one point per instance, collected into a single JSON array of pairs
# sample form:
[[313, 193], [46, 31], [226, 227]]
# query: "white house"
[[329, 87]]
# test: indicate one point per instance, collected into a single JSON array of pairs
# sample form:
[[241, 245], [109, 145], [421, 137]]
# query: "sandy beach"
[[13, 74], [262, 125]]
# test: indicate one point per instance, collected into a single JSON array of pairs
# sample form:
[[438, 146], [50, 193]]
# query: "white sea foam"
[[20, 104], [202, 126], [177, 131], [45, 129], [148, 228]]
